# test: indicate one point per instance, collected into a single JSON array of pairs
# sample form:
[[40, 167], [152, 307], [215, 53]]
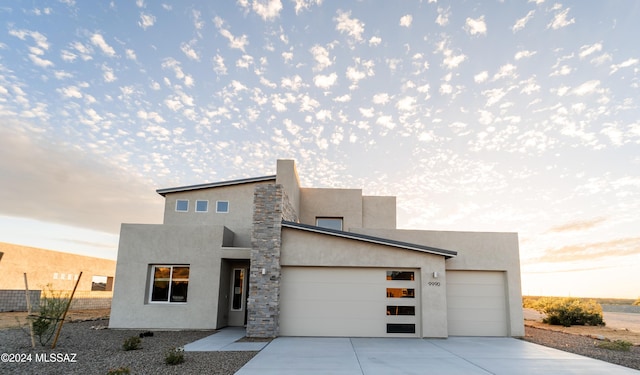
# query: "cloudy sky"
[[478, 115]]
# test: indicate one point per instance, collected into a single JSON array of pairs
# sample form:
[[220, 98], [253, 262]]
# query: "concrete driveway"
[[457, 355]]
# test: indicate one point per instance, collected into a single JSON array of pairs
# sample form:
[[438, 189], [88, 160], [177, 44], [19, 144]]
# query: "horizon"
[[478, 116]]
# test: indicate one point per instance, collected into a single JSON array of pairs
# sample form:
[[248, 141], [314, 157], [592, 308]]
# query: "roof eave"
[[179, 189], [371, 239]]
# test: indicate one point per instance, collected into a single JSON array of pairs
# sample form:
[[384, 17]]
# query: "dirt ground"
[[19, 319]]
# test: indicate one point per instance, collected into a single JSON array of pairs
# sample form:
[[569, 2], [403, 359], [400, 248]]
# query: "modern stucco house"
[[287, 260]]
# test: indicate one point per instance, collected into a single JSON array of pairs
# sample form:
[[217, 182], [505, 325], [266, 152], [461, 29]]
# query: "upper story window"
[[329, 222], [202, 206], [222, 207], [182, 205]]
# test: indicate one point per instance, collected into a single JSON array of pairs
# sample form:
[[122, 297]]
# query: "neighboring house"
[[53, 270], [285, 260]]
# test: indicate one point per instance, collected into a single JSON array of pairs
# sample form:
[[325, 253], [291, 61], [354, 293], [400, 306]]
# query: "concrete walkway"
[[225, 341], [456, 355]]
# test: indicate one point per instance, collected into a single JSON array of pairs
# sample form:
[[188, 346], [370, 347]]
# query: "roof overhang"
[[178, 189], [371, 239]]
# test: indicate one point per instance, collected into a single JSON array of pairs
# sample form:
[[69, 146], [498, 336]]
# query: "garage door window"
[[400, 275], [401, 328], [401, 310], [401, 293]]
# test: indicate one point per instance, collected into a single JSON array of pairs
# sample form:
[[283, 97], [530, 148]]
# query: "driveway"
[[456, 355]]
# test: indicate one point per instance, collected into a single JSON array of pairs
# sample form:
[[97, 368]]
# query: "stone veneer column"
[[270, 206]]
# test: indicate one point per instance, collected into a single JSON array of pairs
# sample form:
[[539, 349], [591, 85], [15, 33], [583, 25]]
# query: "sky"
[[499, 116]]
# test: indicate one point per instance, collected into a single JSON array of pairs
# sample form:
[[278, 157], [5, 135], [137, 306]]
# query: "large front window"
[[169, 283]]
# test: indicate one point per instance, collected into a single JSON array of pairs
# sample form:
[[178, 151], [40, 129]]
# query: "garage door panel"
[[319, 301], [476, 303]]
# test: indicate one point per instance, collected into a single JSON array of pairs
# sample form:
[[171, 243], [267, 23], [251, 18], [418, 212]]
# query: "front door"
[[238, 300]]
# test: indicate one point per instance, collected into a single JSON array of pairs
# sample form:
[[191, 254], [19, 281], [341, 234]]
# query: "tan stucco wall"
[[141, 246], [301, 248], [345, 203], [41, 265], [477, 251], [238, 219], [379, 212]]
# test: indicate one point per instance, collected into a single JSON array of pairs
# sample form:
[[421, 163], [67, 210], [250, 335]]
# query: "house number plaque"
[[434, 283]]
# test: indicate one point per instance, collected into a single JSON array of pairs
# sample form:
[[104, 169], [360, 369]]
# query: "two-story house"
[[286, 260]]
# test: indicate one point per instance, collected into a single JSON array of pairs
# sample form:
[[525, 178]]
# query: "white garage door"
[[356, 302], [476, 303]]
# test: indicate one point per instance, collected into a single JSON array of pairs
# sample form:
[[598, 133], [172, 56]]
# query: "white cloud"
[[323, 115], [99, 42], [406, 104], [481, 77], [367, 112], [189, 51], [560, 20], [343, 99], [443, 16], [561, 71], [131, 54], [268, 10], [506, 71], [146, 20], [305, 4], [445, 89], [321, 55], [406, 20], [70, 92], [107, 74], [382, 98], [586, 88], [43, 63], [522, 22], [294, 83], [374, 41], [587, 50], [325, 81], [244, 61], [624, 64], [351, 26], [386, 121], [523, 54], [476, 26], [234, 42], [218, 65]]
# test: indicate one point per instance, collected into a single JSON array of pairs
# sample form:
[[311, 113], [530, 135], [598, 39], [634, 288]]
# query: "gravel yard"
[[96, 351]]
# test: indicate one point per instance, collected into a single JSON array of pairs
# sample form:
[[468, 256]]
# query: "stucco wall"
[[300, 248], [238, 219], [477, 251], [46, 267], [198, 246], [345, 203], [379, 212]]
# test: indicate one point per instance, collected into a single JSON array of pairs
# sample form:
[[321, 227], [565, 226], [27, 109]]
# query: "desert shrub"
[[619, 345], [637, 302], [529, 302], [174, 356], [570, 311], [119, 371], [132, 343], [52, 307]]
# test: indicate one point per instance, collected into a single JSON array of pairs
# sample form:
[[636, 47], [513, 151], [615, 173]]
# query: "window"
[[102, 283], [182, 205], [237, 300], [401, 310], [400, 275], [401, 293], [329, 222], [169, 283], [202, 206], [222, 207]]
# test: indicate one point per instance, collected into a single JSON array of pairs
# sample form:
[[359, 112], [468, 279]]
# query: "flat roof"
[[371, 239], [166, 191]]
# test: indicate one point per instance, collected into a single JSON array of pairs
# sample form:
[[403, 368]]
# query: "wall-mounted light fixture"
[[435, 275], [264, 271]]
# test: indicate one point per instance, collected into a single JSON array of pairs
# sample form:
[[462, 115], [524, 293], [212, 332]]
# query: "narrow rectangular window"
[[401, 328], [329, 222], [401, 293], [169, 283], [182, 205], [401, 310], [222, 207], [400, 275], [202, 206], [237, 300]]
